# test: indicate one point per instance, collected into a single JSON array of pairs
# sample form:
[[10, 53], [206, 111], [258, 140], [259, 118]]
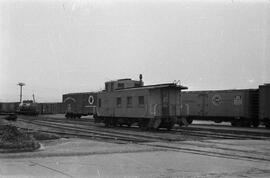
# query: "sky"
[[58, 47]]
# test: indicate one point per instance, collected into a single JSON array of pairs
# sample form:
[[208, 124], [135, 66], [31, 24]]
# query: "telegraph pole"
[[21, 85]]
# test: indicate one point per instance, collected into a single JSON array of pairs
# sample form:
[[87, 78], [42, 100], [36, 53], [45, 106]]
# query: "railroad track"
[[188, 131], [165, 140], [77, 131]]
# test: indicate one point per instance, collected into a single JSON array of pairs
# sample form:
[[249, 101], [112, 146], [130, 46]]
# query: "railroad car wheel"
[[189, 120], [156, 123], [180, 123], [235, 124], [169, 127], [267, 124], [143, 124], [245, 123], [68, 116], [114, 122], [107, 122], [255, 123]]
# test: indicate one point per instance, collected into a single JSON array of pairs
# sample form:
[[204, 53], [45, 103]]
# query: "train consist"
[[126, 102]]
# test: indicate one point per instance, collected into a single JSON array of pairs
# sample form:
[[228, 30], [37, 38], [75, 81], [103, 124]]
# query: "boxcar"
[[153, 106], [240, 107], [28, 107], [264, 93], [50, 108], [8, 107], [79, 104]]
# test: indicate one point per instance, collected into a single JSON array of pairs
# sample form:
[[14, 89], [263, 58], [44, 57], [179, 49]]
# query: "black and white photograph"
[[135, 88]]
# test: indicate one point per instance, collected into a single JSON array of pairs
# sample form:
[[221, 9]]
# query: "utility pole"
[[21, 85], [34, 100]]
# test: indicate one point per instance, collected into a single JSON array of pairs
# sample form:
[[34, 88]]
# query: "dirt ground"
[[86, 158]]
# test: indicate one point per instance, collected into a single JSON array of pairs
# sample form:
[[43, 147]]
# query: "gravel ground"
[[75, 147], [86, 158]]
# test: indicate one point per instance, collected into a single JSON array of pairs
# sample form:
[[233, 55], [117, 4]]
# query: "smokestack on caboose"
[[141, 82]]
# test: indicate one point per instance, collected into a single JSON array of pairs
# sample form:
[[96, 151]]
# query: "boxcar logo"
[[69, 98], [91, 100], [237, 100], [216, 100]]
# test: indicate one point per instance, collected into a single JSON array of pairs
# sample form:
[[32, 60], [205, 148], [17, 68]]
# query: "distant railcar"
[[28, 107], [9, 110], [240, 107], [264, 114], [76, 105], [51, 108], [8, 107], [126, 102]]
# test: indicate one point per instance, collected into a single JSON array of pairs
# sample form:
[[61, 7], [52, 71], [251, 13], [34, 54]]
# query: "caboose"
[[126, 102]]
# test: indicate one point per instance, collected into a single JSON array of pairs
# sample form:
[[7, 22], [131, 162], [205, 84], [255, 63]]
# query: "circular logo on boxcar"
[[216, 100], [237, 100], [69, 98], [91, 100]]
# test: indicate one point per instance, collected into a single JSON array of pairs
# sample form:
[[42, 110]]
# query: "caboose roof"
[[165, 85]]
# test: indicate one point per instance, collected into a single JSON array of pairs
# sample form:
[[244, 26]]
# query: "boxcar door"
[[165, 102], [202, 104]]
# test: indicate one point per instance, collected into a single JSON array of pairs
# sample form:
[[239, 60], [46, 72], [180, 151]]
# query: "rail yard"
[[132, 129], [246, 149]]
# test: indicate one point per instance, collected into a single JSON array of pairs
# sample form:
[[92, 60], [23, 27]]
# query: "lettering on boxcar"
[[216, 100], [237, 100]]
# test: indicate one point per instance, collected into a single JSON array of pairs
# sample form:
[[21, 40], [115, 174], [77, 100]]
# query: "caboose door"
[[165, 102]]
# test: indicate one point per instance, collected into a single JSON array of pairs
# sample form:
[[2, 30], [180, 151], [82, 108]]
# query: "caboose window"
[[118, 101], [99, 102], [141, 100], [129, 101], [120, 85], [112, 88], [106, 86]]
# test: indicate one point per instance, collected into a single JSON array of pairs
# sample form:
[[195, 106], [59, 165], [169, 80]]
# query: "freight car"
[[50, 108], [126, 102], [264, 115], [76, 105], [240, 107], [28, 107], [9, 109]]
